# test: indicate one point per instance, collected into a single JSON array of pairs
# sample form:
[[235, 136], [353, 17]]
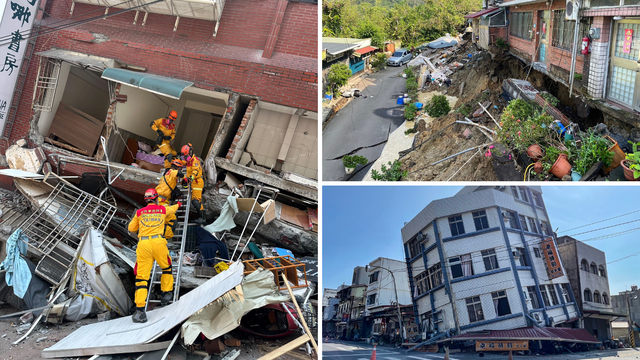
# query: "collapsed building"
[[242, 77]]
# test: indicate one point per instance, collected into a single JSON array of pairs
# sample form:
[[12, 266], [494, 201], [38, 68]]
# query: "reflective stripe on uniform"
[[197, 189]]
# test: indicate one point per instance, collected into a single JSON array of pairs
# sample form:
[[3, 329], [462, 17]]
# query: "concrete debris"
[[41, 339], [26, 318]]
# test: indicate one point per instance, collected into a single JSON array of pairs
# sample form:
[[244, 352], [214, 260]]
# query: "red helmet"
[[176, 162], [173, 115], [150, 195], [187, 150]]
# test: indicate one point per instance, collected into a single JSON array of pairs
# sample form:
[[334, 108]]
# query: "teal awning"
[[154, 83]]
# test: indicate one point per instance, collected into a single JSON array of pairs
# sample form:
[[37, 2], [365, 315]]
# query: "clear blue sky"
[[361, 223]]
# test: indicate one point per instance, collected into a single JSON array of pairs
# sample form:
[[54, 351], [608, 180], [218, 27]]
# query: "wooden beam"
[[304, 323], [287, 347], [65, 146]]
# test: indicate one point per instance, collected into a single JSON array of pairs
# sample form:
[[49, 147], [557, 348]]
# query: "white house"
[[380, 288], [476, 261]]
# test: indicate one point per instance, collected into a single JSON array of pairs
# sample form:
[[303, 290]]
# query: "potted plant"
[[618, 154], [631, 164], [350, 162], [593, 148], [556, 162]]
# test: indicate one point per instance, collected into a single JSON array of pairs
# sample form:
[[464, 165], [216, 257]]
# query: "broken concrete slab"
[[24, 159], [123, 335]]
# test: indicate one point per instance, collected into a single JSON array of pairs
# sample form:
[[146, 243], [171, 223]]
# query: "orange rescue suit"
[[167, 129], [194, 172]]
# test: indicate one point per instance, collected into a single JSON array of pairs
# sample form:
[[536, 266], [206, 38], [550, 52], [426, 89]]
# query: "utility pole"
[[395, 289]]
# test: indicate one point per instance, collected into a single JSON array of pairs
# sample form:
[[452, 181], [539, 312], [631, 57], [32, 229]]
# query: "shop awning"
[[364, 50], [95, 63], [531, 333], [481, 13], [154, 83]]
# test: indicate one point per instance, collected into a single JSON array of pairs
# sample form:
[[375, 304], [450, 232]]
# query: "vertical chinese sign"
[[628, 39], [15, 28], [554, 267]]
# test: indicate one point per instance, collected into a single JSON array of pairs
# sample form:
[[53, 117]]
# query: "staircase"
[[179, 240]]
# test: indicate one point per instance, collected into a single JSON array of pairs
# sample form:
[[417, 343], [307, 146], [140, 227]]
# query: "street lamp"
[[395, 289]]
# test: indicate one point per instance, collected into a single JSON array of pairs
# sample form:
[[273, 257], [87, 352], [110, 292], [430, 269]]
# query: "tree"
[[338, 76]]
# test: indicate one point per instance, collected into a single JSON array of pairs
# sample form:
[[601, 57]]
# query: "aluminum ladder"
[[182, 215]]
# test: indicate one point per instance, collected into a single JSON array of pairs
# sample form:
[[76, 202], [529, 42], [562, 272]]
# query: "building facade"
[[380, 288], [486, 259], [628, 302], [351, 309], [542, 35], [230, 83], [586, 268]]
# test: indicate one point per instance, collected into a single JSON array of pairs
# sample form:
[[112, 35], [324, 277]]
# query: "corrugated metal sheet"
[[532, 333], [481, 12], [157, 84]]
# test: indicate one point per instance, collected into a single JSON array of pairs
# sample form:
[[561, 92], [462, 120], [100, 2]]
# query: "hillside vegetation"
[[411, 21]]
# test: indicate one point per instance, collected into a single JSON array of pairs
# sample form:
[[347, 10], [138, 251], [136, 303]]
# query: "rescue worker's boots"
[[139, 316], [167, 297], [200, 220]]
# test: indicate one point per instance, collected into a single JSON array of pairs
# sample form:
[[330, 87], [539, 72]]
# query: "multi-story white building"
[[380, 288], [475, 262]]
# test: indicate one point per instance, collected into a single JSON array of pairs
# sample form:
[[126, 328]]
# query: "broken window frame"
[[565, 293], [46, 84], [435, 276], [456, 264], [371, 299], [523, 222], [373, 277], [514, 191], [533, 226], [545, 298], [537, 199], [414, 248], [422, 282], [523, 194], [502, 307], [523, 259]]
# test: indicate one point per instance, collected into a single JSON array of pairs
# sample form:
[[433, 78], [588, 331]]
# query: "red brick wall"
[[298, 35], [229, 62], [555, 56], [497, 32], [240, 132]]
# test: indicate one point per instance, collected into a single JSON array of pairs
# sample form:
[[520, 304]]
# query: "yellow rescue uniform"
[[168, 182], [169, 130], [149, 223], [194, 172], [169, 222]]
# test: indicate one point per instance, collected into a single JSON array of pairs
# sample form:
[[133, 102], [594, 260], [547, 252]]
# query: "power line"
[[597, 222], [606, 227]]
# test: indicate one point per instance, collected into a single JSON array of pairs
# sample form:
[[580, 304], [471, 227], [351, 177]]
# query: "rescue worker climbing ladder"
[[166, 130], [149, 222], [194, 176]]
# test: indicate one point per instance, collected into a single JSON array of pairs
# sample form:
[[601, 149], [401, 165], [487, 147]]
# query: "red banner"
[[628, 39]]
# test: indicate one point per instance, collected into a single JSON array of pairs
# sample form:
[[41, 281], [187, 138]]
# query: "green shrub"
[[338, 76], [409, 73], [379, 60], [409, 131], [552, 100], [393, 173], [410, 111], [502, 43], [634, 160], [438, 106], [352, 161], [594, 148], [522, 127], [411, 85], [465, 110], [577, 76]]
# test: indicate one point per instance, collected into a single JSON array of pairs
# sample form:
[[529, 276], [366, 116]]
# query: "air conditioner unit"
[[516, 254], [571, 10], [421, 236], [536, 316]]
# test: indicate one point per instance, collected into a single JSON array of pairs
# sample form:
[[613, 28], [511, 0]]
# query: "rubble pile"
[[245, 284]]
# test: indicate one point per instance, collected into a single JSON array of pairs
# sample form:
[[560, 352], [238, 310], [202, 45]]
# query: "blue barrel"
[[400, 101]]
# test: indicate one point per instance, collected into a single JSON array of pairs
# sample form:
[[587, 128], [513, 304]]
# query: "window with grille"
[[46, 84], [456, 225], [514, 190], [553, 295], [414, 248], [422, 283], [501, 303], [523, 222], [533, 296], [510, 220], [499, 19], [490, 259], [521, 25], [480, 220], [523, 194], [563, 30], [474, 307], [545, 298], [533, 226], [435, 276]]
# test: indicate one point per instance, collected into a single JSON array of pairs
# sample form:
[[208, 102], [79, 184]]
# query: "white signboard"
[[15, 27]]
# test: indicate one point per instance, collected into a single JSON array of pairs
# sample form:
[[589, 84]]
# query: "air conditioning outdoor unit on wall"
[[571, 10]]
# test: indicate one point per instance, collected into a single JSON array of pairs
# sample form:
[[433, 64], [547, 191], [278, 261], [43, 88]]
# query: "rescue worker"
[[167, 186], [194, 176], [166, 130], [149, 223]]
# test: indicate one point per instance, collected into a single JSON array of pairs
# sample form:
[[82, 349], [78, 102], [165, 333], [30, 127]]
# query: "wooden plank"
[[302, 321], [76, 128], [287, 347], [107, 350], [65, 146], [123, 332]]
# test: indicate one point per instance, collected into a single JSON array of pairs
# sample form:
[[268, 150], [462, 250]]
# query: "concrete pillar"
[[599, 63]]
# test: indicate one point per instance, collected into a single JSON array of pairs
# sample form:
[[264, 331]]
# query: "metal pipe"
[[254, 229], [245, 224], [574, 52]]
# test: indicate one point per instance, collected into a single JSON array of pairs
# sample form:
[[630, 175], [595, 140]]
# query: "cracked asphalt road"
[[363, 123]]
